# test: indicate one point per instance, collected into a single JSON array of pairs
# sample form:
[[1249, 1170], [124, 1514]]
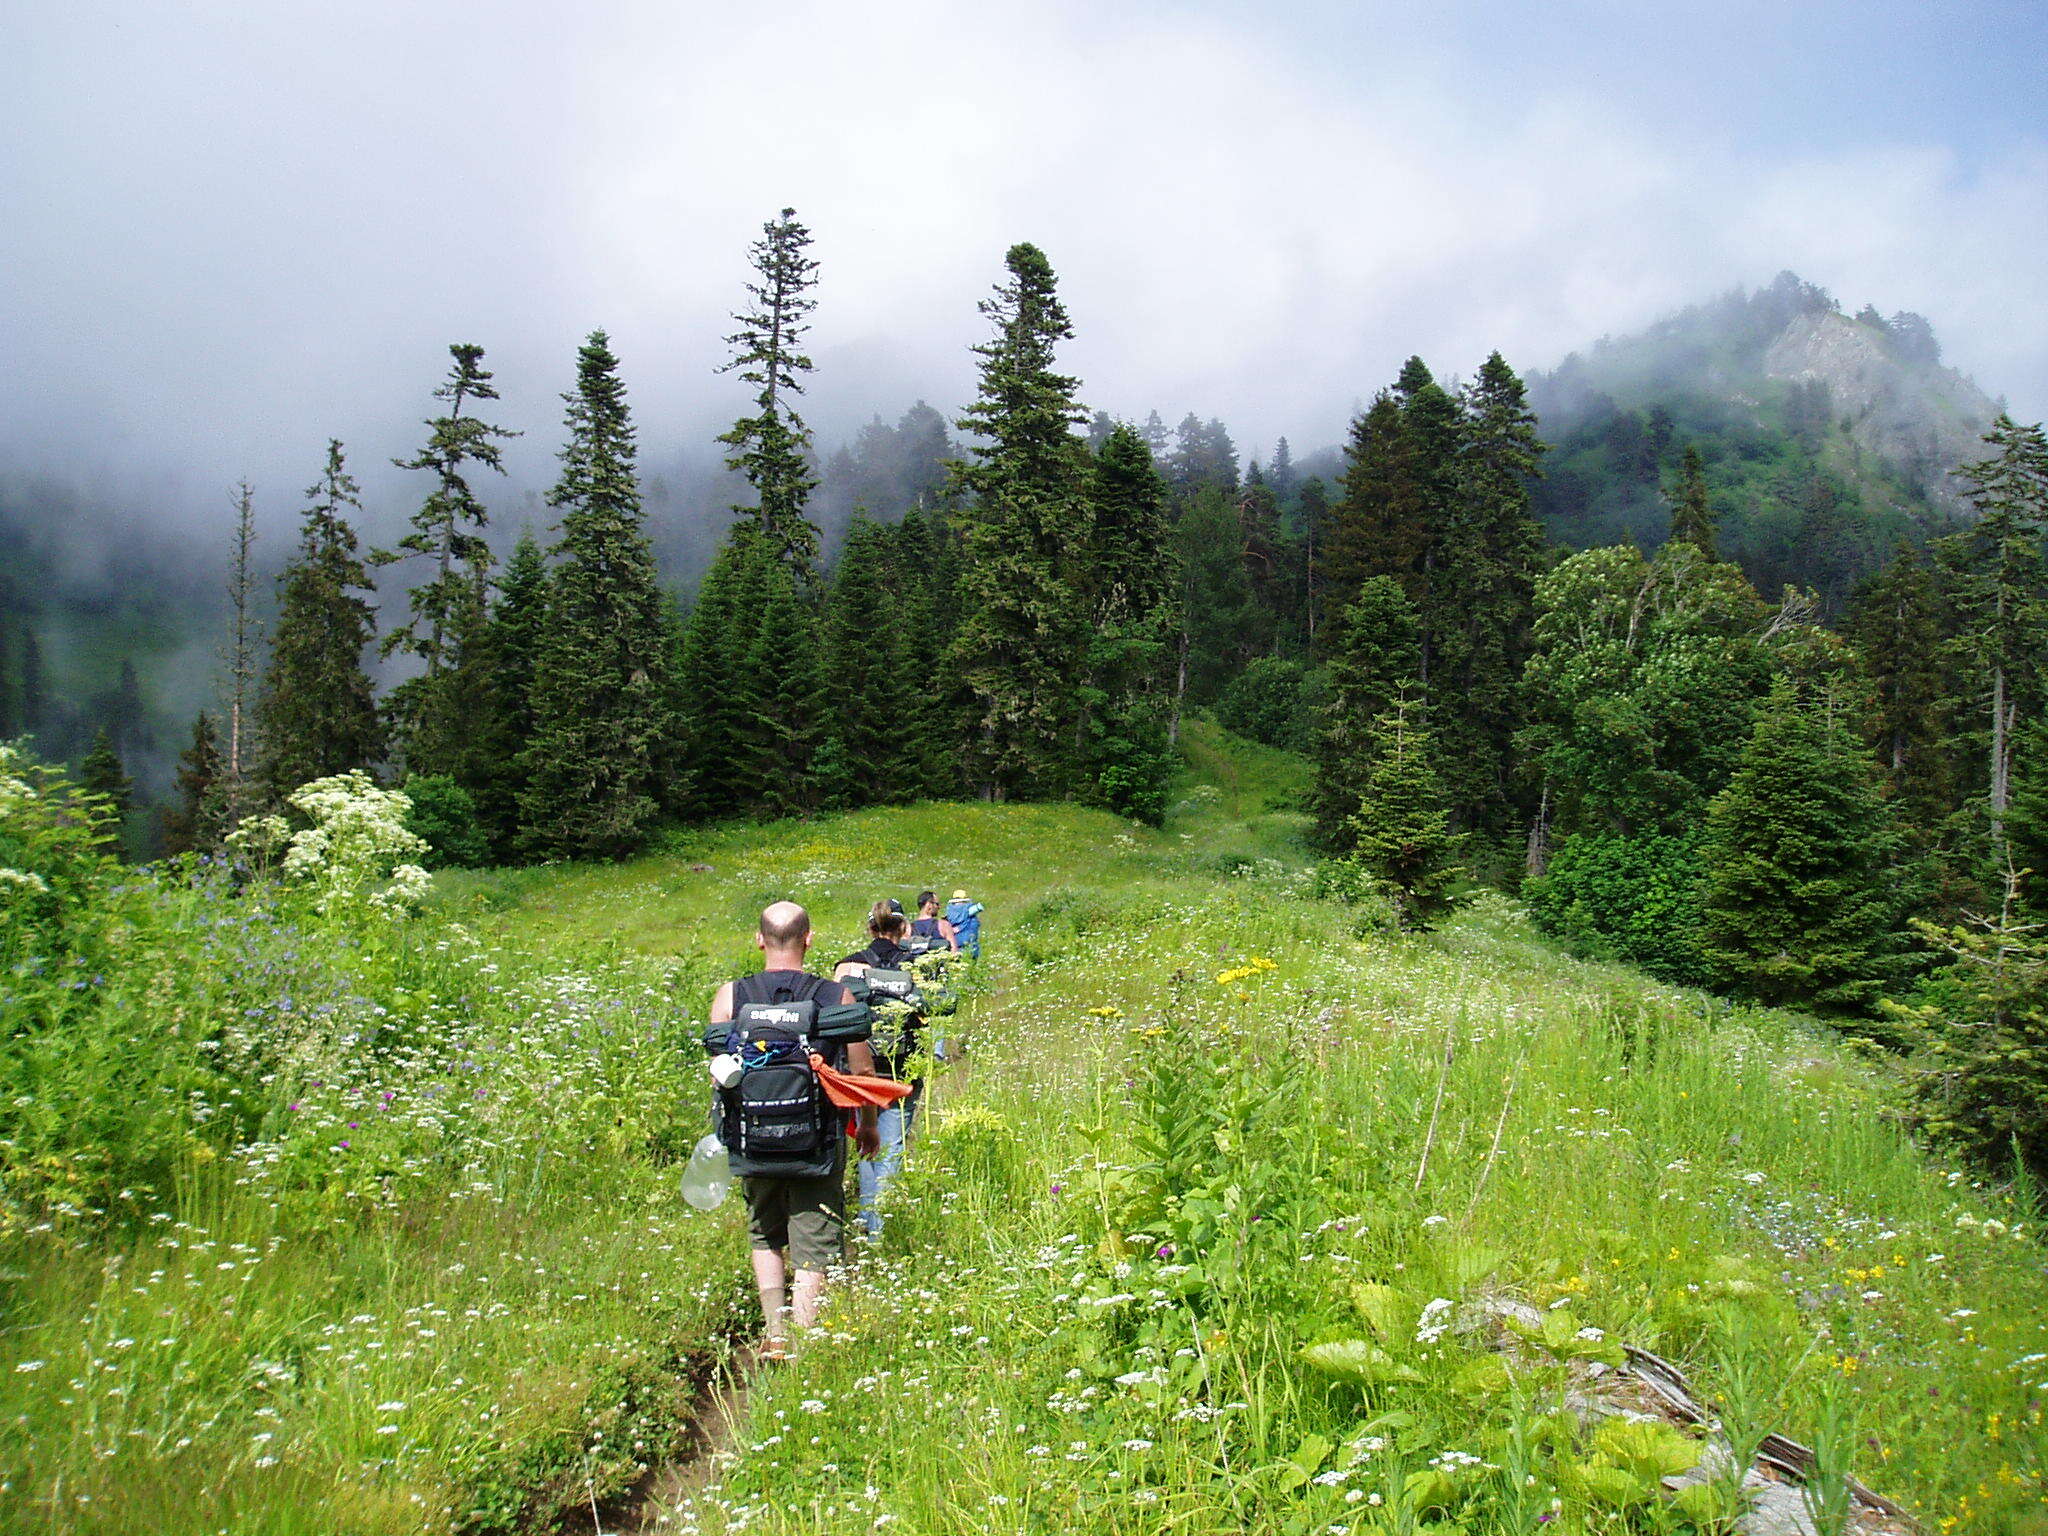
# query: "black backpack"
[[776, 1121]]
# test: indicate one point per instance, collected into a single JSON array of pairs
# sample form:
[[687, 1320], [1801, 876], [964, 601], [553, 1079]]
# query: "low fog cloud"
[[230, 230]]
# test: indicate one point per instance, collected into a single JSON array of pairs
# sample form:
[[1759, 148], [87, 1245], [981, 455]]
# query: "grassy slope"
[[1719, 1184]]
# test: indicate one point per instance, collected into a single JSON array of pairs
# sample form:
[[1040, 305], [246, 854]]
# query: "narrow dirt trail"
[[722, 1407]]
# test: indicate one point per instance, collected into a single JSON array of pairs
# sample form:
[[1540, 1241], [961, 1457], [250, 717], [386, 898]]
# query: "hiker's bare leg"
[[810, 1289], [768, 1276]]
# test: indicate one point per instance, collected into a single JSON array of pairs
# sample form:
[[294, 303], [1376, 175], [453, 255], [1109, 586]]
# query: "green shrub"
[[445, 815], [1626, 898], [1273, 702]]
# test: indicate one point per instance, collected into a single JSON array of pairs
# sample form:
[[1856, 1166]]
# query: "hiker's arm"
[[946, 933], [721, 1005]]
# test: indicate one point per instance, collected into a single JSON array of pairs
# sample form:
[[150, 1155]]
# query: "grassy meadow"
[[312, 1227]]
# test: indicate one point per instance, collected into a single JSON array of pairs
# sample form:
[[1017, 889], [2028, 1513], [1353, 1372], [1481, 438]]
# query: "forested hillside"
[[1827, 439]]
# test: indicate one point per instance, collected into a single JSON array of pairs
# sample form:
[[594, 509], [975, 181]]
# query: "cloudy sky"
[[228, 231]]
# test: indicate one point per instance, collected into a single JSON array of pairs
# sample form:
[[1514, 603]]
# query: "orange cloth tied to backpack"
[[850, 1091]]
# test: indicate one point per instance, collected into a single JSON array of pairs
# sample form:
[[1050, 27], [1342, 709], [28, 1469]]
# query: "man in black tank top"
[[805, 1216]]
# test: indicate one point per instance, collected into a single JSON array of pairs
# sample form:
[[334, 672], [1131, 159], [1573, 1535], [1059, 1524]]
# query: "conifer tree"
[[1799, 907], [717, 686], [2027, 815], [317, 715], [922, 560], [1401, 834], [1894, 624], [1489, 558], [769, 446], [1280, 474], [601, 722], [1378, 525], [776, 757], [1312, 516], [1128, 583], [243, 642], [9, 716], [510, 648], [197, 820], [1020, 637], [1692, 514], [1999, 588], [1375, 653], [447, 533], [1155, 435], [865, 662], [102, 774]]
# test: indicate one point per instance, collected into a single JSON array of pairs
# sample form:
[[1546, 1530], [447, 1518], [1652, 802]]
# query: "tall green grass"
[[325, 1230]]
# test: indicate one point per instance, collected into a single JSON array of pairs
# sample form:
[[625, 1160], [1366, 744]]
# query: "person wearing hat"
[[965, 917]]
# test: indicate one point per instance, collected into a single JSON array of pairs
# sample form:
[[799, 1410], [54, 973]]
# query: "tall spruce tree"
[[447, 532], [865, 661], [769, 447], [1692, 514], [1128, 582], [924, 571], [1021, 633], [1378, 525], [1401, 833], [601, 716], [1894, 623], [239, 656], [1800, 907], [198, 819], [718, 689], [103, 774], [1375, 654], [510, 648], [1998, 587], [317, 714], [1489, 561]]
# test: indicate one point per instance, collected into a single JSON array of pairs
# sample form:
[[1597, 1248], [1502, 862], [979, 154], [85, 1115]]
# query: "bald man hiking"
[[782, 1133]]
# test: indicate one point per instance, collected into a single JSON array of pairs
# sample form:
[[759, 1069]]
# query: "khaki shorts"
[[806, 1216]]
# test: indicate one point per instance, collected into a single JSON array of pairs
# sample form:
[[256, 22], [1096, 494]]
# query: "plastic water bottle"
[[708, 1176]]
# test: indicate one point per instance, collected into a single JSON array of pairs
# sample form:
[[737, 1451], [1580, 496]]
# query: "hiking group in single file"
[[801, 1062]]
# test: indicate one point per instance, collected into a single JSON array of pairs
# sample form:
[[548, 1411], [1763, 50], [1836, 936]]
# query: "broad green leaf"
[[1358, 1360], [1384, 1307]]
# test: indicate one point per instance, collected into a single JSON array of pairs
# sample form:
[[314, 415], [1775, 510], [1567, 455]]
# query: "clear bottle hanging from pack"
[[708, 1175]]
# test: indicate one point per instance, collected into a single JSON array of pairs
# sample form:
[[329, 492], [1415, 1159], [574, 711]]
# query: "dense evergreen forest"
[[1785, 700]]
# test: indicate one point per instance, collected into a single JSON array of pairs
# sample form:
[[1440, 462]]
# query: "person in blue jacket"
[[965, 916]]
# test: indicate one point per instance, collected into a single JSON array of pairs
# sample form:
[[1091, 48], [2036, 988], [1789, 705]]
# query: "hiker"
[[964, 916], [878, 971], [782, 1133], [928, 924]]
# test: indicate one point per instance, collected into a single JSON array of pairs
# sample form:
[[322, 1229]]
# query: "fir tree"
[[243, 643], [601, 722], [1799, 907], [198, 820], [446, 532], [1894, 624], [1312, 516], [1400, 833], [1379, 525], [1375, 653], [510, 647], [1020, 637], [1128, 584], [865, 661], [1280, 474], [1155, 435], [776, 757], [2027, 815], [769, 446], [1488, 560], [1997, 579], [317, 715], [1692, 515], [102, 774], [923, 565], [716, 684]]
